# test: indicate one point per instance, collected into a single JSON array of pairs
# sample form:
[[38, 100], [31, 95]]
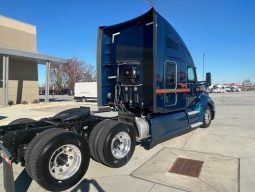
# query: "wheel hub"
[[62, 159], [117, 144], [65, 162], [120, 145]]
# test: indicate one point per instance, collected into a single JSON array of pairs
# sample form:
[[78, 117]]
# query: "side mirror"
[[208, 79]]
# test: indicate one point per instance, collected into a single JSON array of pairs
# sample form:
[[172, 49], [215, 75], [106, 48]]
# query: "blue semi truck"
[[149, 91]]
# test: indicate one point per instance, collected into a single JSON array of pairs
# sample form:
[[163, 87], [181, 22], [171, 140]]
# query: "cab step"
[[197, 124], [193, 113]]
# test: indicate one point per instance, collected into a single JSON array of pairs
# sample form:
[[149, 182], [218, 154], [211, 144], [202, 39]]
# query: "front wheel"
[[207, 118], [59, 160]]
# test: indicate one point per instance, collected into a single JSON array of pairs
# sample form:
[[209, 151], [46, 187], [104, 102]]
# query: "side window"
[[170, 75], [191, 74]]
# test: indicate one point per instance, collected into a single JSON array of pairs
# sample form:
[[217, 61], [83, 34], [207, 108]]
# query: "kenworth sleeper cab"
[[145, 75]]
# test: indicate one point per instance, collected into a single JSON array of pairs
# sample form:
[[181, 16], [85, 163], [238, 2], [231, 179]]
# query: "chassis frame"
[[14, 138]]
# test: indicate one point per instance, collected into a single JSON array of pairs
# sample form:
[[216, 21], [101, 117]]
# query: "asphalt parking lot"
[[227, 149]]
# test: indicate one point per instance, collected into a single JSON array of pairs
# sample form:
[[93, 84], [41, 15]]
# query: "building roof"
[[16, 24], [31, 56]]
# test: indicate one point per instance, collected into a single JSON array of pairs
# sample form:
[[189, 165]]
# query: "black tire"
[[93, 138], [207, 117], [31, 146], [50, 146], [21, 121], [107, 136]]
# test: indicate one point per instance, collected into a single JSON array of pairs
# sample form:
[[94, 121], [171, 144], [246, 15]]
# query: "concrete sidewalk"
[[227, 149]]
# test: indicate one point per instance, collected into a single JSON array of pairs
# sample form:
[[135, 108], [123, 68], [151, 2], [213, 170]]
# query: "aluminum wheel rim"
[[65, 162], [120, 145], [207, 116]]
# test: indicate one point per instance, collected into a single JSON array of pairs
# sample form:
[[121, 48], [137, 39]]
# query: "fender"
[[205, 99]]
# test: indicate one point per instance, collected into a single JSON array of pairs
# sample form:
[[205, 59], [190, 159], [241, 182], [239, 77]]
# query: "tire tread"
[[39, 148], [93, 139], [31, 147]]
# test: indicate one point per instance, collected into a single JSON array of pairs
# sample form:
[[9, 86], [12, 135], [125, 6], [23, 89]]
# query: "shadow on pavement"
[[53, 100], [23, 181], [85, 185], [89, 101], [2, 117]]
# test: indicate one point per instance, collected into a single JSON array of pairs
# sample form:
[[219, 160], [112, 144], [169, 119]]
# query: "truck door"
[[170, 83], [192, 84]]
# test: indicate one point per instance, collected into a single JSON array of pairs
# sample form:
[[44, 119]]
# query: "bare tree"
[[74, 70], [88, 73], [57, 76], [247, 82]]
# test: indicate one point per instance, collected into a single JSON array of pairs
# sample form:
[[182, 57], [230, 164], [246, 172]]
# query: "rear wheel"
[[94, 136], [31, 146], [116, 144], [59, 160]]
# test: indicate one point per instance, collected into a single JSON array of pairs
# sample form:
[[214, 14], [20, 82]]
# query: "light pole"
[[203, 66]]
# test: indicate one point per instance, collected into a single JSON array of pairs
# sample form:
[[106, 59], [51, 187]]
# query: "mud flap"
[[8, 177]]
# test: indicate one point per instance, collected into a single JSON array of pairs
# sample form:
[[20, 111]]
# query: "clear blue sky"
[[223, 29]]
